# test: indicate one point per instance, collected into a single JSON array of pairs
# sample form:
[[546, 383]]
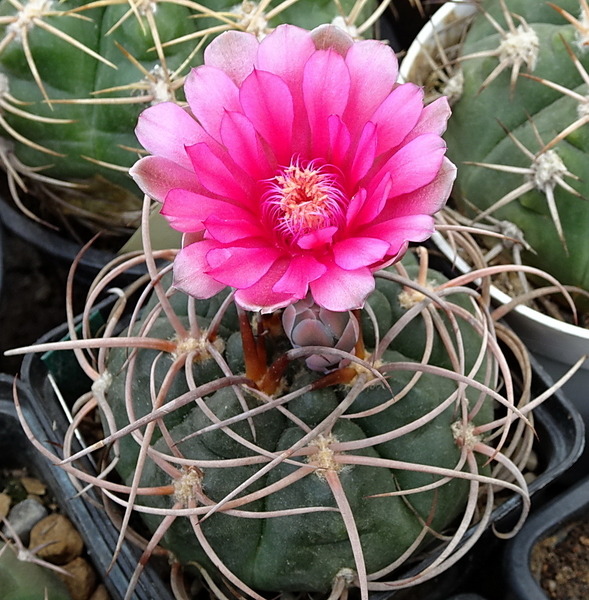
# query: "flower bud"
[[308, 324]]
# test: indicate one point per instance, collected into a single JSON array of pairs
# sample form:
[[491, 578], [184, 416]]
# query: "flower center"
[[304, 200]]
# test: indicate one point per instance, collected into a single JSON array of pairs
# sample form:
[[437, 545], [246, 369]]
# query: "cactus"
[[75, 75], [274, 477], [519, 130]]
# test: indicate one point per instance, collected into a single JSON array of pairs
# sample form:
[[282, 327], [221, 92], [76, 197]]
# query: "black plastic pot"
[[57, 245], [99, 534], [572, 505]]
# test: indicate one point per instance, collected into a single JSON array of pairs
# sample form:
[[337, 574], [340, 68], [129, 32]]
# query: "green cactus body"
[[303, 552], [104, 132], [480, 119]]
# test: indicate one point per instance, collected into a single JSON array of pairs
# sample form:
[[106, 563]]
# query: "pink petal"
[[227, 231], [190, 266], [339, 140], [295, 281], [329, 36], [186, 211], [364, 155], [373, 204], [396, 232], [210, 92], [426, 200], [165, 130], [341, 290], [414, 165], [244, 147], [156, 176], [316, 239], [355, 205], [433, 119], [326, 85], [261, 296], [213, 173], [397, 116], [355, 253], [373, 70], [233, 52], [268, 104], [285, 52], [240, 267]]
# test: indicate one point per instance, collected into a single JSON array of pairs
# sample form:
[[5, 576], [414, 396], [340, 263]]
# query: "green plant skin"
[[306, 552], [475, 134], [102, 131], [20, 580]]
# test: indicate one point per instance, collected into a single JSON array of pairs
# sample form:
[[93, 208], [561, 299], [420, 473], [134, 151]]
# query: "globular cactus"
[[75, 75], [271, 476], [519, 133]]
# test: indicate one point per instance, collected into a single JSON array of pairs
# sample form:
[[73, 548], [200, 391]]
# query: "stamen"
[[301, 200]]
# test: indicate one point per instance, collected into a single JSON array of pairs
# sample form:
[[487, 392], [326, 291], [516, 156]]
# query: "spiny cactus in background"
[[75, 75], [270, 476], [519, 128]]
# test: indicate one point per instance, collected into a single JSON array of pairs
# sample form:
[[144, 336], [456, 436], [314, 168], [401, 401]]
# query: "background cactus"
[[519, 128], [275, 477], [75, 75]]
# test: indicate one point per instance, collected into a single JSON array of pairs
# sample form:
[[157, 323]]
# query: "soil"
[[561, 563], [32, 297]]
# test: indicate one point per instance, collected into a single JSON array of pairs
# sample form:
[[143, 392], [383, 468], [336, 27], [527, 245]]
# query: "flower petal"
[[240, 266], [317, 239], [244, 147], [355, 205], [372, 204], [397, 116], [165, 130], [396, 232], [373, 68], [355, 253], [339, 140], [311, 333], [364, 155], [186, 211], [210, 92], [433, 119], [214, 174], [268, 104], [326, 86], [414, 165], [428, 199], [300, 272], [228, 231], [156, 176], [233, 52], [261, 296], [341, 290], [329, 36], [285, 52], [190, 266]]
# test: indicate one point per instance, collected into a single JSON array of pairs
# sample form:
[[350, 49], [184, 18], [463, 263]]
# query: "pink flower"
[[301, 166]]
